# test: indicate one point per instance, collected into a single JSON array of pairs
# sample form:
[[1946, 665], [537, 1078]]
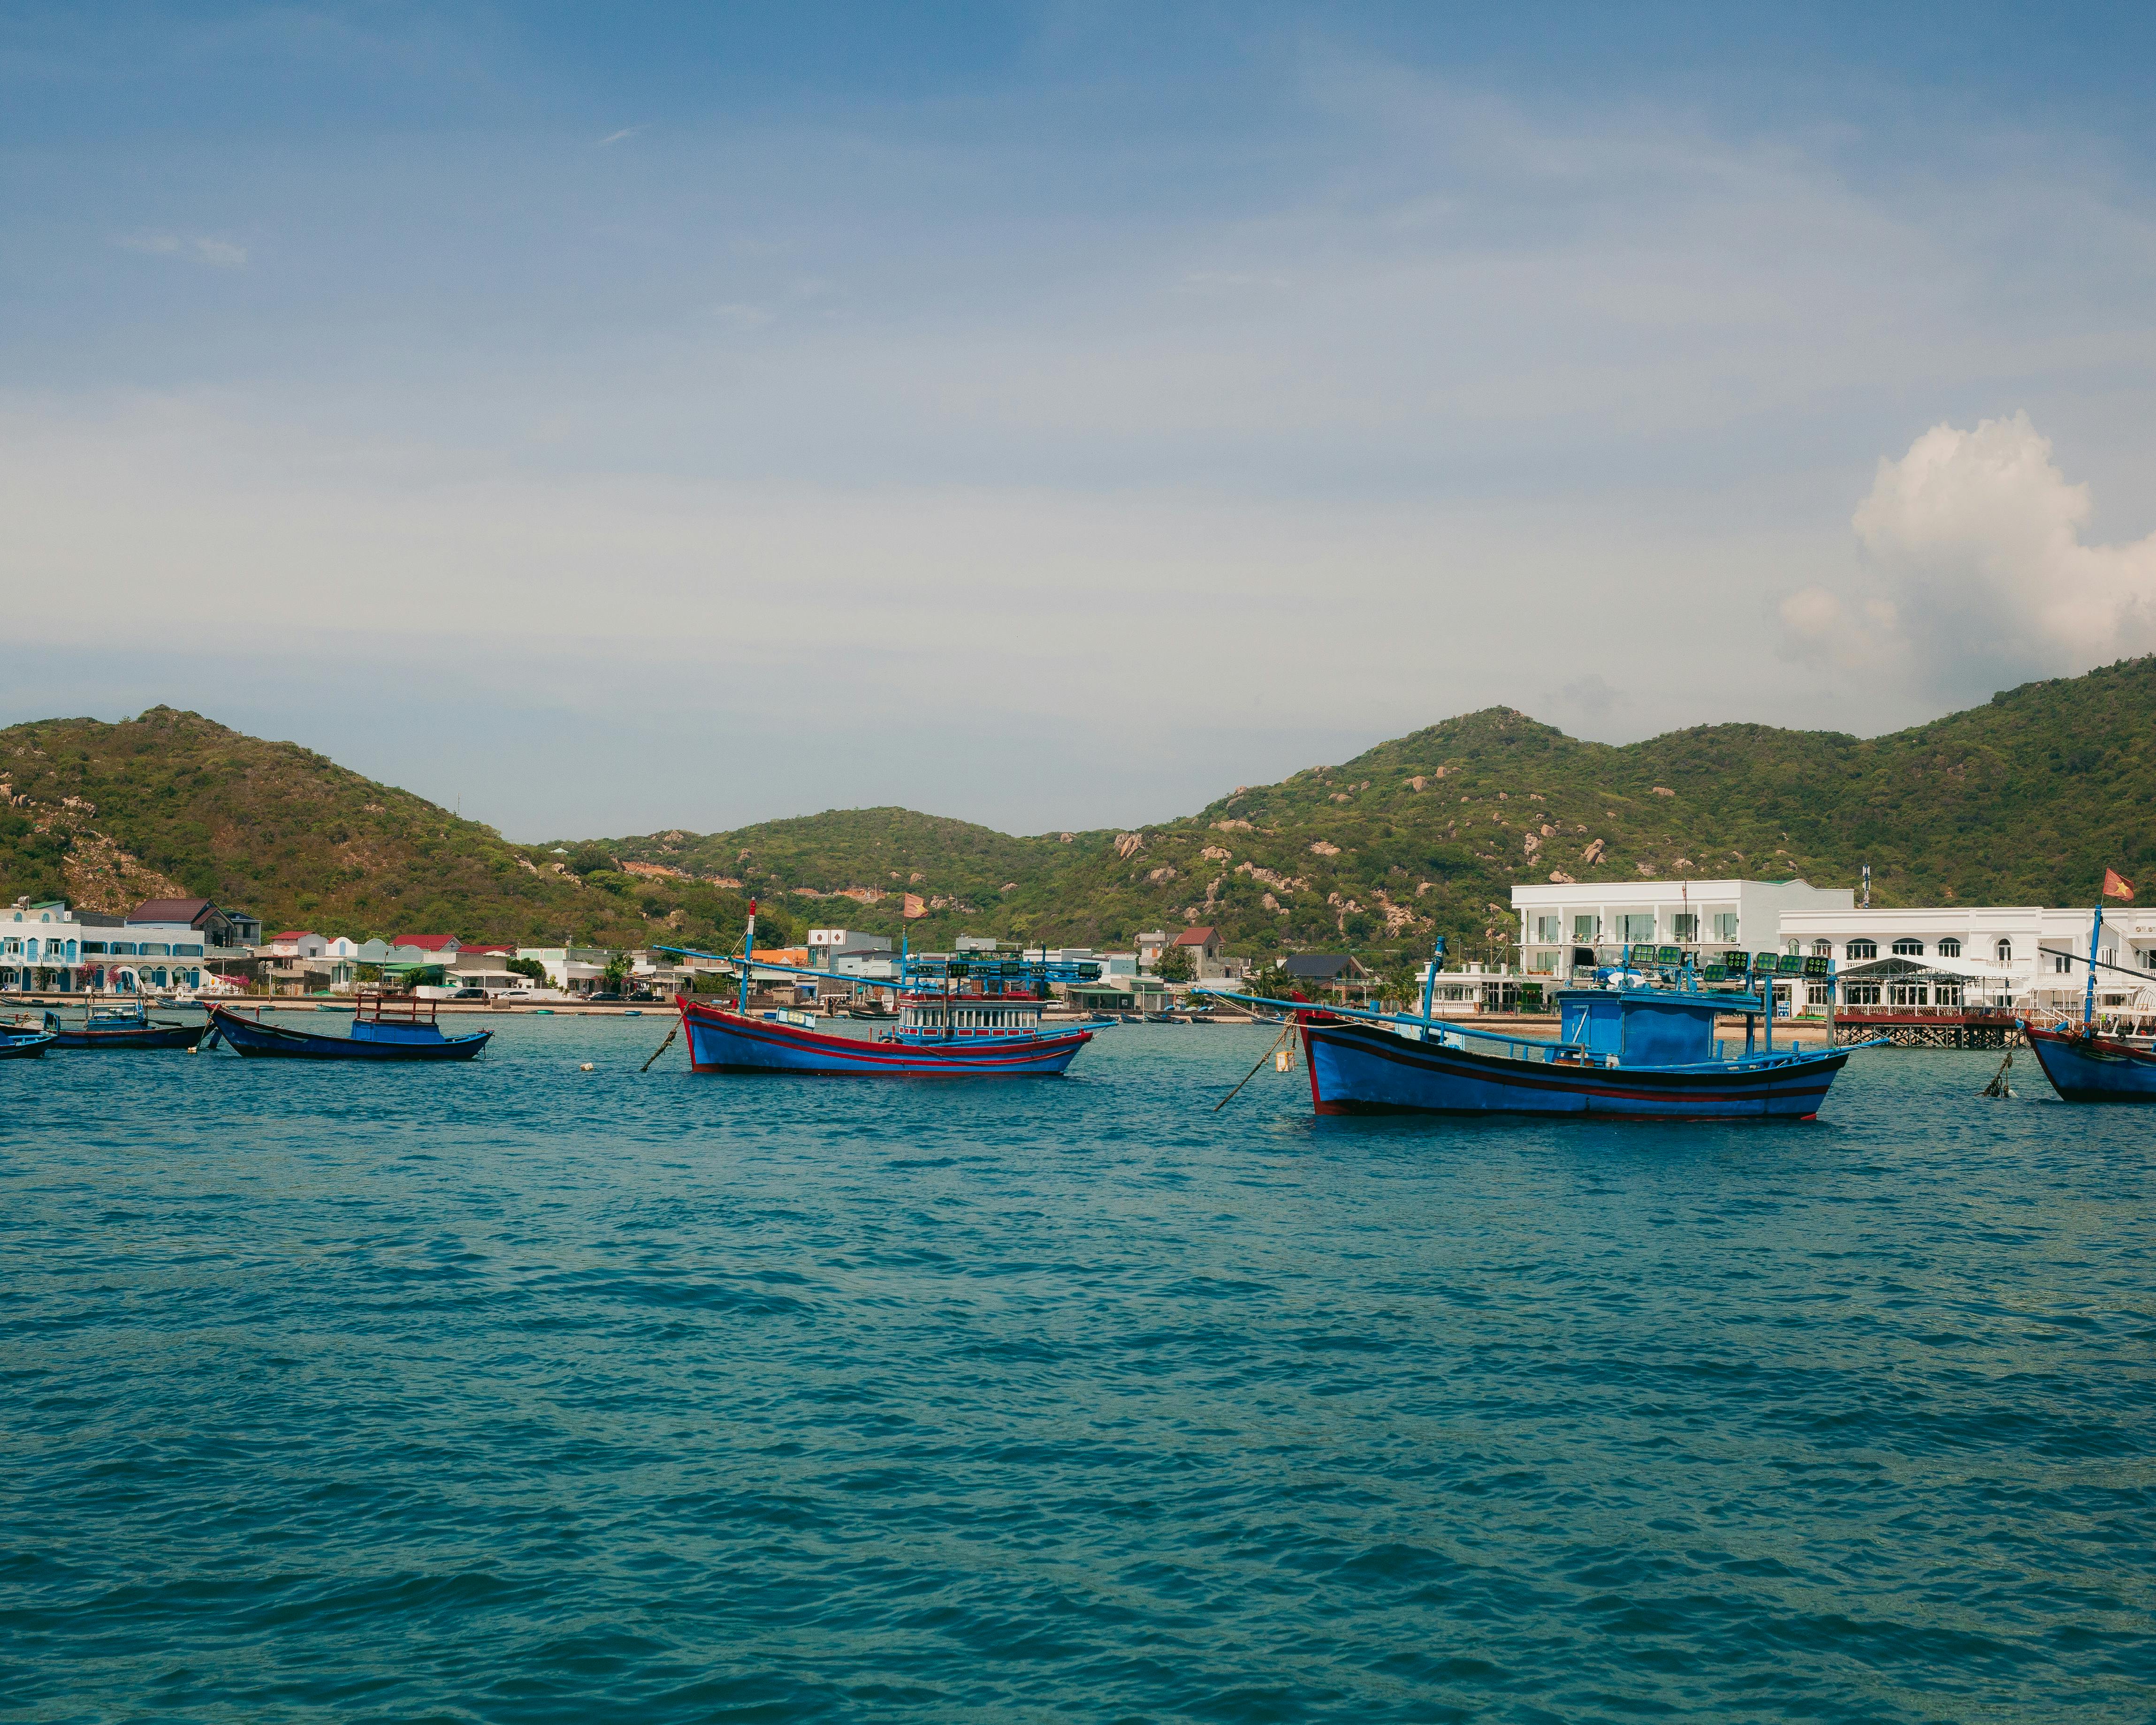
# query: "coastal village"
[[1953, 974]]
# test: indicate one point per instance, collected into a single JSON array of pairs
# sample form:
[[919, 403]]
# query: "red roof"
[[298, 934], [1196, 937], [428, 943], [487, 949]]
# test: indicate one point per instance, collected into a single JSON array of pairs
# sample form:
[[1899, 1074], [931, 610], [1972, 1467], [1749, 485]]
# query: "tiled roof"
[[1196, 937], [427, 942], [170, 909]]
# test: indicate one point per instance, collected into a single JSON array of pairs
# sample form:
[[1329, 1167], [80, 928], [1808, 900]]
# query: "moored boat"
[[126, 1026], [391, 1027], [23, 1042], [961, 1016], [1640, 1047], [2085, 1065]]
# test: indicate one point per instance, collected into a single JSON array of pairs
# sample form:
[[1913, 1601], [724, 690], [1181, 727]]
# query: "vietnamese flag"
[[2116, 885]]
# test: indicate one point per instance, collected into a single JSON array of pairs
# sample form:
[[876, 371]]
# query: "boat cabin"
[[1005, 1014], [394, 1018], [1646, 1027]]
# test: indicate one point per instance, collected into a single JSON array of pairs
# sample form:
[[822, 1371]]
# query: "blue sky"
[[625, 418]]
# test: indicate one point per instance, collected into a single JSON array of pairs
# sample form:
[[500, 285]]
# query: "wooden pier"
[[1929, 1027]]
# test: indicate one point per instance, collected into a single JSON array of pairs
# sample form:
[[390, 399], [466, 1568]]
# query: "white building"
[[1565, 924], [2023, 955]]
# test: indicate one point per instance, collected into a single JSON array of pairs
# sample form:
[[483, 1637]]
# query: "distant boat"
[[962, 1016], [384, 1027], [124, 1025], [2085, 1066]]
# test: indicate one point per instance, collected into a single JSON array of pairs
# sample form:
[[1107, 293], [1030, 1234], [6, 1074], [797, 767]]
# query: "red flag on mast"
[[2116, 885]]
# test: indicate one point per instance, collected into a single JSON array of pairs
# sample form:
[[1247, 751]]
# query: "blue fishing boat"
[[2083, 1064], [126, 1026], [23, 1042], [1638, 1044], [2087, 1066], [384, 1027], [967, 1015]]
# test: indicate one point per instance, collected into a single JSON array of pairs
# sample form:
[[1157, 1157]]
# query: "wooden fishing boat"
[[124, 1025], [2082, 1062], [2085, 1065], [1640, 1047], [384, 1027], [962, 1016], [24, 1042]]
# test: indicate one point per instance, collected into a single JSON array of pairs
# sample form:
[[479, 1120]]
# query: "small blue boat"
[[19, 1042], [1639, 1047], [123, 1026], [969, 1015], [383, 1027]]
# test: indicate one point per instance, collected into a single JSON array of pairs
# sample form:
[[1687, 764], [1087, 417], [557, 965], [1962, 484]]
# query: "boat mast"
[[748, 954], [2088, 997], [1430, 985]]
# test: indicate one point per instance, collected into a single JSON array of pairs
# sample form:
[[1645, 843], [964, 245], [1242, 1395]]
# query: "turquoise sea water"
[[515, 1392]]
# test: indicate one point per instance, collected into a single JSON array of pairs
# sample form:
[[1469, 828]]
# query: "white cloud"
[[219, 253], [1978, 572], [627, 131]]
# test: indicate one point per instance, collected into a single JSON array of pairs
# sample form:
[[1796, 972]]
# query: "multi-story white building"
[[2024, 955], [1578, 923]]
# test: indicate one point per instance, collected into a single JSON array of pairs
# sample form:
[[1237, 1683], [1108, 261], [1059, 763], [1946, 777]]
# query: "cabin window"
[[1863, 949], [2005, 951], [1905, 947], [1949, 948], [1684, 925]]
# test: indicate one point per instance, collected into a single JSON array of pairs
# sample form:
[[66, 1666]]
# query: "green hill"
[[107, 815], [2024, 800]]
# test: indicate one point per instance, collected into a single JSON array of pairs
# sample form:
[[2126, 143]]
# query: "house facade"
[[1569, 924], [2030, 957]]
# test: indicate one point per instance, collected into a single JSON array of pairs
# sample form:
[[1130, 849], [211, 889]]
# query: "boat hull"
[[251, 1037], [1361, 1069], [724, 1041], [149, 1036], [25, 1048], [2093, 1069]]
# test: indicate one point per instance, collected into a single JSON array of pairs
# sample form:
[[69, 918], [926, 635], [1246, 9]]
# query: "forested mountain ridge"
[[2024, 800], [171, 802]]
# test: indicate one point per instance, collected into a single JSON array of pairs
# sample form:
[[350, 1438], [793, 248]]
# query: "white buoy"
[[586, 1067]]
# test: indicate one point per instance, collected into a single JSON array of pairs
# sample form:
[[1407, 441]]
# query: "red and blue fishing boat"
[[961, 1015], [1638, 1044]]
